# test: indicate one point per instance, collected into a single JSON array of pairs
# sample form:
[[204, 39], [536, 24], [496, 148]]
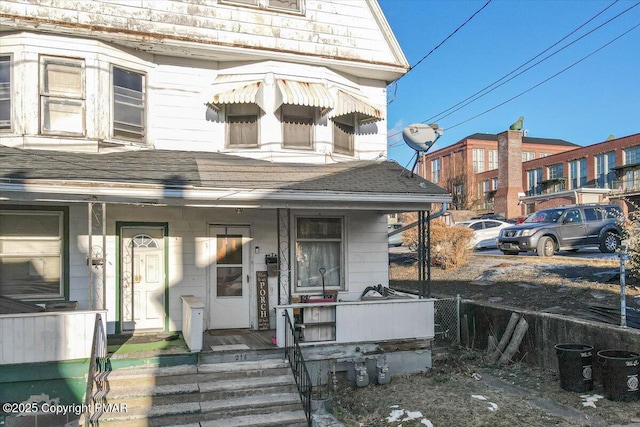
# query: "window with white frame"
[[31, 254], [435, 170], [129, 105], [632, 155], [555, 171], [478, 160], [319, 253], [494, 183], [605, 177], [62, 96], [242, 125], [5, 93], [528, 155], [534, 177], [493, 159], [344, 130], [297, 126], [283, 5], [544, 155], [578, 173]]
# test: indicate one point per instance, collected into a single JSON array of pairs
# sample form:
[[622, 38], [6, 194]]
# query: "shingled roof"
[[188, 169]]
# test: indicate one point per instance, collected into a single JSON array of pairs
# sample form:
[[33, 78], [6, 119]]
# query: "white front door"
[[142, 278], [229, 278]]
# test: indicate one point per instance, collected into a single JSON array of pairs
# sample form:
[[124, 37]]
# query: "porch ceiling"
[[210, 179]]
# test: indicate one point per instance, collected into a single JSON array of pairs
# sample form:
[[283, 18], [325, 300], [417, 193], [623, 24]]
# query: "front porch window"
[[31, 254], [319, 243]]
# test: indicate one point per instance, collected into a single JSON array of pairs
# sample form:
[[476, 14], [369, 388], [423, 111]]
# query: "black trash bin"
[[574, 366], [620, 374]]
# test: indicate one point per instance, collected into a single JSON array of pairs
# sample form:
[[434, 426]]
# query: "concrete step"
[[183, 393], [279, 419], [251, 392]]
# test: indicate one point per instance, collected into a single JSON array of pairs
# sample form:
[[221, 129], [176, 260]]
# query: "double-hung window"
[[32, 254], [344, 130], [478, 160], [62, 96], [275, 5], [493, 159], [297, 126], [605, 177], [319, 253], [435, 170], [242, 125], [578, 172], [534, 177], [5, 93], [128, 105]]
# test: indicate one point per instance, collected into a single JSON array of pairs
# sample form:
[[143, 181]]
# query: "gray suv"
[[564, 228]]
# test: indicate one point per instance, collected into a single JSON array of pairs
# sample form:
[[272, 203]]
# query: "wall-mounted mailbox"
[[272, 264]]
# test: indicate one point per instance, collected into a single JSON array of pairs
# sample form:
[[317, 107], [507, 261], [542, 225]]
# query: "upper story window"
[[478, 160], [605, 177], [534, 178], [578, 172], [62, 96], [242, 125], [129, 105], [344, 130], [555, 171], [5, 93], [435, 170], [632, 155], [493, 159], [528, 155], [297, 126], [284, 5]]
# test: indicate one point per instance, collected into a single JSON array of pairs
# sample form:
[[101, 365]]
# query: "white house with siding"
[[155, 149]]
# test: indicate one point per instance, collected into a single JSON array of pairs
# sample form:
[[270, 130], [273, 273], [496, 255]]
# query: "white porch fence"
[[361, 321], [47, 336]]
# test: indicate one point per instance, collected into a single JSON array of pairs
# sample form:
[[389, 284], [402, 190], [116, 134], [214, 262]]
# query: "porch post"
[[284, 256], [96, 253]]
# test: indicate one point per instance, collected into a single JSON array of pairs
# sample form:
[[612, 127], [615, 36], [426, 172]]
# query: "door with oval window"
[[229, 278], [142, 278]]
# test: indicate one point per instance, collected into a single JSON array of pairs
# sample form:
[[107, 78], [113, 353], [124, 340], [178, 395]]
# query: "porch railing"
[[99, 367], [293, 353]]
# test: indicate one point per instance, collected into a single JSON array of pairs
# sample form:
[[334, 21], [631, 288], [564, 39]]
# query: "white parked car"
[[485, 232], [396, 239]]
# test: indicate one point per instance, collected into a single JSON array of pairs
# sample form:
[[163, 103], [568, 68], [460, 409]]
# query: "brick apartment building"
[[457, 167], [553, 173]]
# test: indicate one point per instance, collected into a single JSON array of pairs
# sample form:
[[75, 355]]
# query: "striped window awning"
[[238, 92], [348, 103], [294, 92]]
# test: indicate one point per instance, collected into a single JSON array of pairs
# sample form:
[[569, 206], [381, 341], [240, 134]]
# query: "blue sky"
[[584, 105]]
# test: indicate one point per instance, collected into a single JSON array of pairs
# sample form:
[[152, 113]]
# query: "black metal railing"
[[294, 354], [99, 367]]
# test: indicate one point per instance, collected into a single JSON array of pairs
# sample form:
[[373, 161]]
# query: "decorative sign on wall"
[[263, 300]]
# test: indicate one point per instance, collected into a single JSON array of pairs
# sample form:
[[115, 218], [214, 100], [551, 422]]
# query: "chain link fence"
[[447, 320]]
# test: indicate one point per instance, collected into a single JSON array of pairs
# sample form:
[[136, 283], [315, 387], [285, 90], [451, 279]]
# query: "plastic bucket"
[[575, 367], [620, 374]]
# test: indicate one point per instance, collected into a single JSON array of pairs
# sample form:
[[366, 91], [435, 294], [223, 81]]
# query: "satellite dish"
[[421, 137]]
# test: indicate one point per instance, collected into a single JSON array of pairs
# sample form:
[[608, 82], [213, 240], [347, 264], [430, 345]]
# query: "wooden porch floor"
[[157, 344], [236, 339]]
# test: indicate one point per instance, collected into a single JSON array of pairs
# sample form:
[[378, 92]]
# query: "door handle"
[[247, 278]]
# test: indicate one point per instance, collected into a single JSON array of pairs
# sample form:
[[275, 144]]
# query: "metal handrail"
[[99, 367], [300, 372]]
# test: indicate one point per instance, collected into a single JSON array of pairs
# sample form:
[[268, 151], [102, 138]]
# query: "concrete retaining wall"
[[545, 331]]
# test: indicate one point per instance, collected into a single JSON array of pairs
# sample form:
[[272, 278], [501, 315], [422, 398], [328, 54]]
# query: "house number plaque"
[[263, 300]]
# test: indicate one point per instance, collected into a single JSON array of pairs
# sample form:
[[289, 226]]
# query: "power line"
[[395, 82], [464, 103], [396, 143], [547, 79]]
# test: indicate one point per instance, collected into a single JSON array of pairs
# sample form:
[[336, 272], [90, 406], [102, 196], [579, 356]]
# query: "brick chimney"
[[509, 174]]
